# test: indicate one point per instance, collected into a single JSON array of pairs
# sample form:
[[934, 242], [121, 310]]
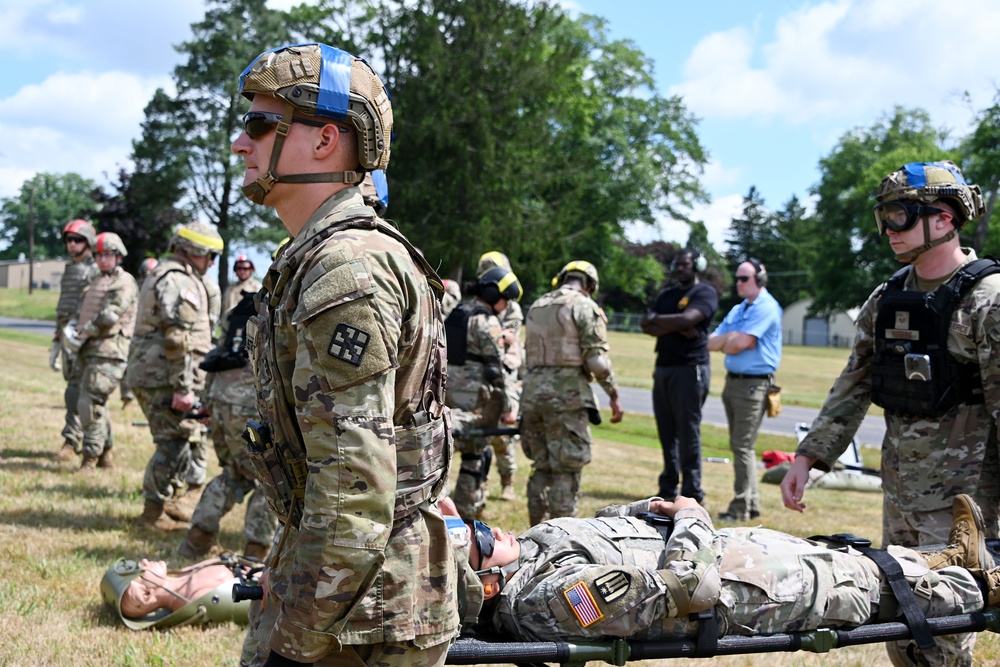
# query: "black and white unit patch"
[[613, 585], [349, 343]]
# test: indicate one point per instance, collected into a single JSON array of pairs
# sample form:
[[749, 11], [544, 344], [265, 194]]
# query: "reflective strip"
[[203, 240], [506, 281], [334, 82]]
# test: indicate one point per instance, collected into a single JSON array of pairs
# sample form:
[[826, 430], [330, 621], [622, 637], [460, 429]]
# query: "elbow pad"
[[599, 365]]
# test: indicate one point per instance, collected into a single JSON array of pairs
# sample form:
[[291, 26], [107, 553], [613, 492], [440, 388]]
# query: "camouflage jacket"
[[107, 316], [235, 292], [348, 351], [924, 462], [75, 279], [483, 339], [583, 334], [173, 331], [616, 576]]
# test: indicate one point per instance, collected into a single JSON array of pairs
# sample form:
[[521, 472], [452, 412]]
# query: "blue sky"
[[774, 83]]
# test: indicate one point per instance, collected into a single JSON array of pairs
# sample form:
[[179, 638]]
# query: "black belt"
[[744, 376]]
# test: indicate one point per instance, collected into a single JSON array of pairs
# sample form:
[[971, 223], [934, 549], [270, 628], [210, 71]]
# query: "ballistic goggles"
[[485, 541], [900, 216]]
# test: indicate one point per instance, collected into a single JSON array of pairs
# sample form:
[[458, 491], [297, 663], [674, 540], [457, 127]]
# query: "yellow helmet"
[[582, 269], [197, 239], [491, 259]]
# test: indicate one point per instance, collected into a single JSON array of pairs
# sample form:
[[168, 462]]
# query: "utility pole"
[[31, 240]]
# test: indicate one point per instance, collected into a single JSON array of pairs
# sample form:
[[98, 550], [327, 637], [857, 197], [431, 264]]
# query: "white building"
[[798, 328]]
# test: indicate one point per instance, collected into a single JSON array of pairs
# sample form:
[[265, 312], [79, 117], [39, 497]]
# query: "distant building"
[[798, 328], [47, 274]]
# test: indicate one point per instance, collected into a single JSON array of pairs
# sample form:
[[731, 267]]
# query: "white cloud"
[[716, 216], [849, 59]]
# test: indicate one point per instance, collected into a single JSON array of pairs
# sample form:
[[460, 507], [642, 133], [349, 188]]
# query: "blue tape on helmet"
[[334, 82], [381, 186]]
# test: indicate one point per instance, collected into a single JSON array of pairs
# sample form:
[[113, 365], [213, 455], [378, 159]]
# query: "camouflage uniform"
[[477, 403], [75, 278], [197, 471], [925, 463], [450, 298], [107, 319], [172, 336], [505, 446], [232, 401], [616, 576], [348, 351], [564, 328], [235, 292]]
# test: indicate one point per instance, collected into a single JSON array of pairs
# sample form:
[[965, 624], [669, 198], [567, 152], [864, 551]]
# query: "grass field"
[[59, 531]]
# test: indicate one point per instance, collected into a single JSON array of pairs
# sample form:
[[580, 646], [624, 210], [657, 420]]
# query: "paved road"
[[633, 400], [640, 400]]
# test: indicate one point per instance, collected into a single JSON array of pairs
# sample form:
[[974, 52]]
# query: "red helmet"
[[80, 228], [243, 259]]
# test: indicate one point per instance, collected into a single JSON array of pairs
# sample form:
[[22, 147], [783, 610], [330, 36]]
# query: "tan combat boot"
[[181, 508], [507, 492], [990, 584], [256, 551], [199, 543], [153, 517], [106, 460], [67, 453], [967, 540], [89, 465]]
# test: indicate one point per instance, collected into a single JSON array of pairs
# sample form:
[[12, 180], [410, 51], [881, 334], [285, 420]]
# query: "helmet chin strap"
[[257, 191], [909, 256]]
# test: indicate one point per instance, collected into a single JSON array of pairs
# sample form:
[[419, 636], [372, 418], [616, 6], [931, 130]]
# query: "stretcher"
[[489, 650]]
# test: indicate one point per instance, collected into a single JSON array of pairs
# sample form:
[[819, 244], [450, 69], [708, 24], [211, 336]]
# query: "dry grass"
[[59, 532]]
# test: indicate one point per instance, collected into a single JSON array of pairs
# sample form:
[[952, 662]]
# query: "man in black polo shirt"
[[679, 318]]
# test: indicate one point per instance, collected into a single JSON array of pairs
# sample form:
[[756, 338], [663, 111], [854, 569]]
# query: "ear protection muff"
[[760, 275], [700, 263], [490, 293]]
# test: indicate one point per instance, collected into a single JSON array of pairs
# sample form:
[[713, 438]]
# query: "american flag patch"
[[583, 605]]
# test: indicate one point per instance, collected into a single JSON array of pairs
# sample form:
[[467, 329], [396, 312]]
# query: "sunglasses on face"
[[901, 216], [243, 268], [742, 279], [75, 239], [258, 123], [485, 541]]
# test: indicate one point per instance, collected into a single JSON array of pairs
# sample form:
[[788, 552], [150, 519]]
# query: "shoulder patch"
[[583, 605], [191, 297], [349, 343], [613, 585]]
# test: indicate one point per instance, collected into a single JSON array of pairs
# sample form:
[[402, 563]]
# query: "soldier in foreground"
[[631, 572], [566, 348], [349, 355], [101, 340], [79, 236], [172, 336], [931, 364]]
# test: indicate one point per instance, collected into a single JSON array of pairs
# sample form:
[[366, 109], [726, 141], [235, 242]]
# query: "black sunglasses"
[[485, 541], [742, 279], [900, 216], [258, 123], [75, 239], [244, 268]]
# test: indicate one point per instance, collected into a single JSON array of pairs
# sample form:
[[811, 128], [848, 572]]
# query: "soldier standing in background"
[[566, 348], [349, 355], [511, 319], [477, 389], [78, 235], [100, 340], [246, 282], [126, 392], [452, 295], [172, 336]]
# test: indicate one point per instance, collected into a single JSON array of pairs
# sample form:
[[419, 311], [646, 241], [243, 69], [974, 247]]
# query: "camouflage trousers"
[[504, 448], [558, 444], [175, 439], [476, 455], [97, 380], [745, 401], [914, 529], [237, 480], [72, 431]]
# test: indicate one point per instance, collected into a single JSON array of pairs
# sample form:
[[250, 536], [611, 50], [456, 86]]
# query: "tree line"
[[517, 128]]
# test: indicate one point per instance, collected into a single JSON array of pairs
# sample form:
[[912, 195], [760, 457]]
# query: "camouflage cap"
[[581, 268], [80, 228], [320, 80], [927, 182], [492, 259], [196, 238], [110, 242]]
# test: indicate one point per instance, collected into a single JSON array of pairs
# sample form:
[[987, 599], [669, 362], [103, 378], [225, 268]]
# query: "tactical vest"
[[551, 336], [232, 349], [91, 306], [456, 327], [74, 280], [913, 374], [421, 445], [150, 324]]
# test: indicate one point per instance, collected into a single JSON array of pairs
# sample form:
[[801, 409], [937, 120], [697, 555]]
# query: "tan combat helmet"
[[196, 239], [110, 242], [490, 260], [582, 269], [322, 82], [80, 228]]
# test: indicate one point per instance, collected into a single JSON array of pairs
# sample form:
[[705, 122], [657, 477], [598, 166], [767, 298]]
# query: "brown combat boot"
[[507, 492], [967, 540], [67, 453], [89, 465], [106, 460], [199, 543], [154, 518], [181, 508], [989, 583], [256, 551]]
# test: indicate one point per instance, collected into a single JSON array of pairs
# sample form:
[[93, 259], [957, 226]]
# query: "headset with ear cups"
[[700, 263], [760, 273]]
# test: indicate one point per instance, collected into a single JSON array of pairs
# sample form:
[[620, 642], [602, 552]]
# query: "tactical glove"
[[55, 351]]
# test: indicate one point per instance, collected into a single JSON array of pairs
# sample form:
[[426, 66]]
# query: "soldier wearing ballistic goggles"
[[926, 351]]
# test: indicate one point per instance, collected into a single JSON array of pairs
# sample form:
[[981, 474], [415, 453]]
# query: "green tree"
[[854, 260], [58, 198], [981, 151], [796, 249]]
